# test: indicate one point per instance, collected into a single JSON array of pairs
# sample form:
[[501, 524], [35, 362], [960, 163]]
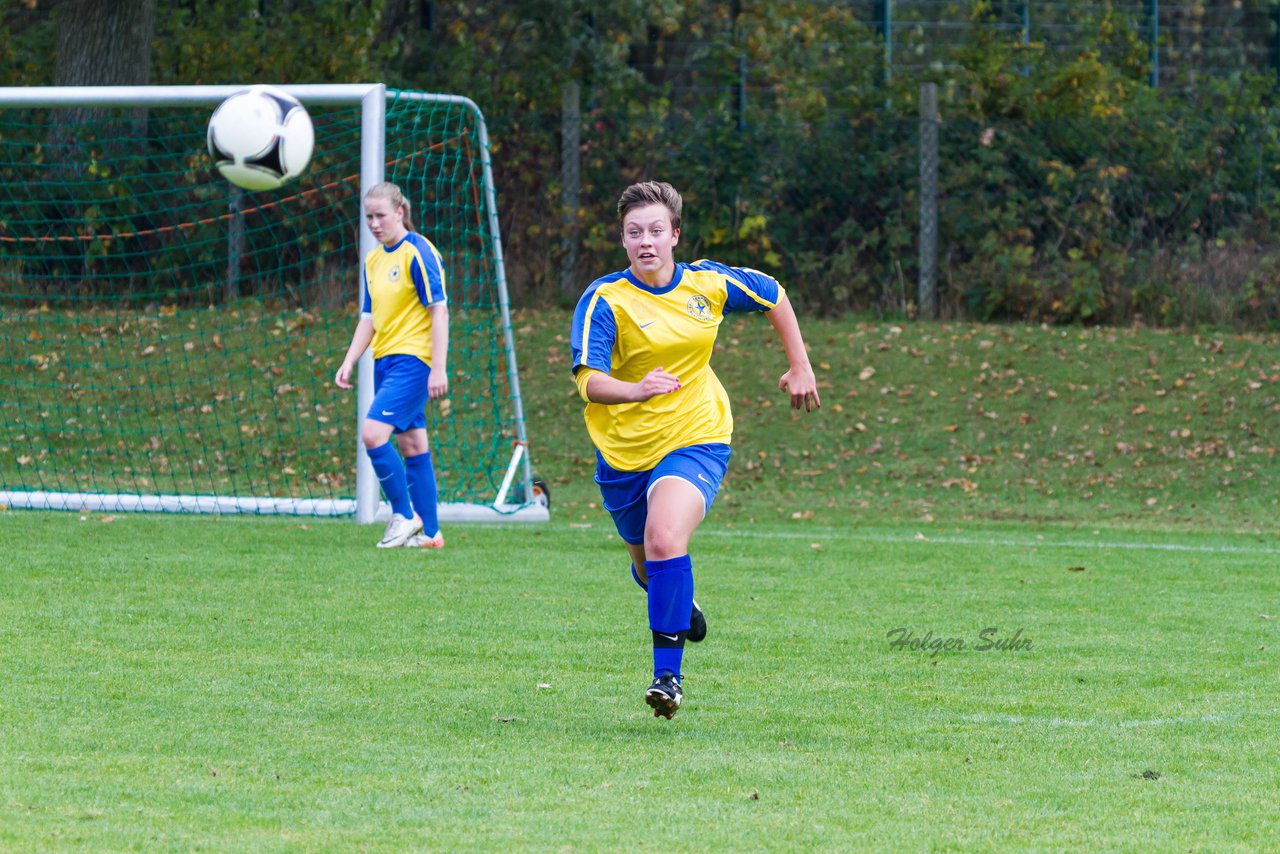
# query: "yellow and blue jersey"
[[400, 282], [624, 328]]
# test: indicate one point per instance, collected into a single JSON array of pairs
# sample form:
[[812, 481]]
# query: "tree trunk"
[[102, 43], [99, 43]]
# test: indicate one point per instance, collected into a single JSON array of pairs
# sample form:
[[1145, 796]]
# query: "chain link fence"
[[1070, 182]]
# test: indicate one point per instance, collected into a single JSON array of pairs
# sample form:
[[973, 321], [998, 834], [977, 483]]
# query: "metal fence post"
[[882, 14], [1275, 41], [1153, 36], [235, 243], [928, 286], [570, 184]]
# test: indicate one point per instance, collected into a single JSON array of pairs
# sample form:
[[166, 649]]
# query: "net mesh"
[[164, 333]]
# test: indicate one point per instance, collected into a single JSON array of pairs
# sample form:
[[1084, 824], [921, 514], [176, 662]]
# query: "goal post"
[[168, 341]]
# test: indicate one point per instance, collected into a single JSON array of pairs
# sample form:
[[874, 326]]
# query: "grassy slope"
[[1137, 427], [944, 421]]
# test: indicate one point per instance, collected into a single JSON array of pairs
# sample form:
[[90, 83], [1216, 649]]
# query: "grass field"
[[255, 684], [1101, 503]]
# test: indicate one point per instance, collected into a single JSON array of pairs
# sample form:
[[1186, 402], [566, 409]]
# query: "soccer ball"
[[541, 492], [260, 138]]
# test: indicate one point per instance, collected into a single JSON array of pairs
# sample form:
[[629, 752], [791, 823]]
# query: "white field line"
[[1040, 720], [817, 536]]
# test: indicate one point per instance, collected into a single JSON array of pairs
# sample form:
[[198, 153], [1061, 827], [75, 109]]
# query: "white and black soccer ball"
[[260, 138]]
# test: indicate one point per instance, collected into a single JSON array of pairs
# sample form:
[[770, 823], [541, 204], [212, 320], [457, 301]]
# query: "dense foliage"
[[1070, 189]]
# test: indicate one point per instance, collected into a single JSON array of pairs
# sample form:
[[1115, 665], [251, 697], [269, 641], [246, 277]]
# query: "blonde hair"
[[393, 194], [651, 193]]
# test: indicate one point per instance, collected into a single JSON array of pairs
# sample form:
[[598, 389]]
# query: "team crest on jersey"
[[394, 275], [699, 307]]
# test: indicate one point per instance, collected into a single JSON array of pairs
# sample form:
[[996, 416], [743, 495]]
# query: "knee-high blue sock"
[[670, 603], [390, 471], [636, 576], [422, 490]]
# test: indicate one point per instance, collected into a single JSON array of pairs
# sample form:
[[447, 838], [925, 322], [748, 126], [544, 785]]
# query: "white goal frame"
[[367, 507]]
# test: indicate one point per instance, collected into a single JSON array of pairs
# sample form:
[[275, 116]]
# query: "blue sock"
[[636, 576], [422, 489], [670, 604], [390, 471]]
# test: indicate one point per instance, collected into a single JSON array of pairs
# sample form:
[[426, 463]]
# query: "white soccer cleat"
[[422, 541], [399, 530]]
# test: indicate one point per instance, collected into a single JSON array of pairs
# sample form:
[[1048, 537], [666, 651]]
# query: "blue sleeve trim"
[[746, 289], [427, 271], [594, 332]]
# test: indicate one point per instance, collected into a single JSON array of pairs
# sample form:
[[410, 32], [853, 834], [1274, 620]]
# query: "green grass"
[[947, 422], [178, 683], [960, 422], [255, 684]]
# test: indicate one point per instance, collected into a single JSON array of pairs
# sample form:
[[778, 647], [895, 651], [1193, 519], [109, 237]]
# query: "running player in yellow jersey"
[[660, 420], [406, 318]]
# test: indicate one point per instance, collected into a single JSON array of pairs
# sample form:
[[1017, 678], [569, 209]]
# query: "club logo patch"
[[699, 307], [394, 275]]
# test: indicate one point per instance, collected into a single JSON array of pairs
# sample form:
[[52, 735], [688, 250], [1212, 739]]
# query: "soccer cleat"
[[422, 541], [664, 695], [399, 530], [697, 625]]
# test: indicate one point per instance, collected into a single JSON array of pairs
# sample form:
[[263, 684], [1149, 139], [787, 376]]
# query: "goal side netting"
[[168, 341]]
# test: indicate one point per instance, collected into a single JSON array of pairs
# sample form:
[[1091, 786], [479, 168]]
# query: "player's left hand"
[[437, 385], [801, 384]]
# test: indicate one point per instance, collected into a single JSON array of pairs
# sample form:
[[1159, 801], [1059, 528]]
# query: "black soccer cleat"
[[664, 695], [697, 625]]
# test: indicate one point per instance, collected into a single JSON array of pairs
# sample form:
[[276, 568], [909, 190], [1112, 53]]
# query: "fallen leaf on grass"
[[1075, 569]]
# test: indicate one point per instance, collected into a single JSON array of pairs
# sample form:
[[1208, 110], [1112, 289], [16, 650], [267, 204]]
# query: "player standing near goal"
[[406, 317], [660, 421]]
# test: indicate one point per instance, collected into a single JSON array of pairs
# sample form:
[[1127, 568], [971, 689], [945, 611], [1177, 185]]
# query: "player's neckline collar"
[[389, 249], [671, 286]]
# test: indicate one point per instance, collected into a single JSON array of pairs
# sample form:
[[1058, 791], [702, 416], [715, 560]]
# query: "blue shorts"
[[626, 493], [400, 392]]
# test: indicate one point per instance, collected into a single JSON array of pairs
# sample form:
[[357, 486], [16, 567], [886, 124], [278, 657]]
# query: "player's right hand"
[[343, 377], [657, 381]]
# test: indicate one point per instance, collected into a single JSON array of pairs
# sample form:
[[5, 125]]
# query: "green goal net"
[[168, 341]]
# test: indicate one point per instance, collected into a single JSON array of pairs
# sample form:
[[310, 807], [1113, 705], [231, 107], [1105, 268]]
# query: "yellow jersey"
[[624, 328], [400, 282]]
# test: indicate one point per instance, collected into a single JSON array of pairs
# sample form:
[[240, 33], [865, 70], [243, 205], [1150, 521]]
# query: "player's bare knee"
[[663, 542], [372, 436]]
